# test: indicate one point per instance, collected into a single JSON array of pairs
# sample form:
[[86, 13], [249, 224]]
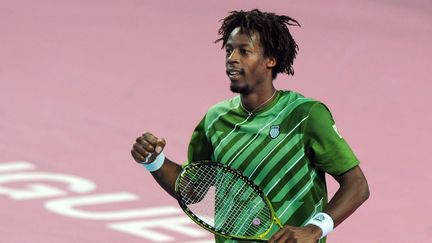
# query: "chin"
[[239, 88]]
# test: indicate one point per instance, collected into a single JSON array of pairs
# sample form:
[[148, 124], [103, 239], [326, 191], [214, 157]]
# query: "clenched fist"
[[147, 148]]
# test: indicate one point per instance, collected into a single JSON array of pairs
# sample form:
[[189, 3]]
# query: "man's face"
[[246, 66]]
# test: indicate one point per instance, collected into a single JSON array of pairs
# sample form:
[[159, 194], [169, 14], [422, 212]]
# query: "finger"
[[146, 146], [150, 138], [287, 238], [274, 239], [144, 153], [277, 237], [160, 145], [137, 157], [143, 149], [143, 141]]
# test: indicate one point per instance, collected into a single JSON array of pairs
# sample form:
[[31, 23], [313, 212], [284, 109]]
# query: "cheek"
[[258, 69], [253, 67]]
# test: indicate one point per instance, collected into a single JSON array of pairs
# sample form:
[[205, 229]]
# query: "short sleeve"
[[199, 146], [325, 147]]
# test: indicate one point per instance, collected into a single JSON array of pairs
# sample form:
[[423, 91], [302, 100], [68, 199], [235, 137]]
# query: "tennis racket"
[[224, 202]]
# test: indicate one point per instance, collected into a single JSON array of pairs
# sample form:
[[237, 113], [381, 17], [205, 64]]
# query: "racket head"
[[224, 202]]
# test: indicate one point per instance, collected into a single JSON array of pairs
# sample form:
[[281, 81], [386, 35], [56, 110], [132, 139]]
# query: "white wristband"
[[156, 164], [324, 221]]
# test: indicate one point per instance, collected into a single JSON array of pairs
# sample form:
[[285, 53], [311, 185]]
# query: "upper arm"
[[326, 148], [354, 174], [355, 180], [200, 147]]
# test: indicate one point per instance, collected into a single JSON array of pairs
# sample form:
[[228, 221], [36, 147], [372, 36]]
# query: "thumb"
[[160, 145]]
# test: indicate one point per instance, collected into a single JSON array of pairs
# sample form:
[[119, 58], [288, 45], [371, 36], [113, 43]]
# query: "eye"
[[243, 52], [228, 51]]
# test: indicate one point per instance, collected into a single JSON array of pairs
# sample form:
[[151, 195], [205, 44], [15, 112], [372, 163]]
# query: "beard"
[[241, 89], [239, 86]]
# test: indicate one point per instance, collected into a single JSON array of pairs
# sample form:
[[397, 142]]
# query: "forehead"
[[237, 37]]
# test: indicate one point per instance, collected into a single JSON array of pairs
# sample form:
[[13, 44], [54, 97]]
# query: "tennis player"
[[284, 142]]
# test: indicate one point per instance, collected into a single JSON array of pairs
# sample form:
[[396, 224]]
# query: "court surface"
[[79, 80]]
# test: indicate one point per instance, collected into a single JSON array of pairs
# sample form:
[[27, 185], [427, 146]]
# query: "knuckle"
[[150, 139], [136, 156], [139, 139], [148, 135], [137, 147], [149, 147]]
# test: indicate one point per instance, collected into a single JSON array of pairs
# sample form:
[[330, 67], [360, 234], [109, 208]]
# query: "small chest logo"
[[274, 131]]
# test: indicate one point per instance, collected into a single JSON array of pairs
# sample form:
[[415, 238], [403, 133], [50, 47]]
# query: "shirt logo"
[[274, 131], [319, 218]]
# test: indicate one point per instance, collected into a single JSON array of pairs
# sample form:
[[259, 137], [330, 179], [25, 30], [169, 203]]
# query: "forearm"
[[353, 191], [166, 176]]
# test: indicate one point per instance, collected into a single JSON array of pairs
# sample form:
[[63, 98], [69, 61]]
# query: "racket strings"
[[242, 209], [225, 201]]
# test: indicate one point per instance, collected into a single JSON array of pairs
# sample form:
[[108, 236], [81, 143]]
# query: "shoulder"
[[225, 105], [223, 108], [297, 102]]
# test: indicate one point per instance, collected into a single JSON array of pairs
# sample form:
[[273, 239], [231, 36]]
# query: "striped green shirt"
[[285, 148]]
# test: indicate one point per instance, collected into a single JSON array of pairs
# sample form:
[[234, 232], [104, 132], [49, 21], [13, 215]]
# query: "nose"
[[233, 57]]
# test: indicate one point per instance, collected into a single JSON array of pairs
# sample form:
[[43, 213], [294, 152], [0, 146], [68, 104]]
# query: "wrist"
[[314, 230], [324, 222], [156, 164]]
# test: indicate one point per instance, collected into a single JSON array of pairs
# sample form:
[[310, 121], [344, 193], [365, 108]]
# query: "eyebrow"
[[239, 45]]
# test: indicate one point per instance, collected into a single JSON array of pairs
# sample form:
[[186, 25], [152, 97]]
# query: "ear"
[[271, 62]]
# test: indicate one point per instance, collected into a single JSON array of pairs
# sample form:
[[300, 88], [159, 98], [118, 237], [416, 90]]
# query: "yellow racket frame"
[[210, 228]]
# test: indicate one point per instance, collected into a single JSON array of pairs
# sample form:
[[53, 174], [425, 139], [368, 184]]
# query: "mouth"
[[234, 74]]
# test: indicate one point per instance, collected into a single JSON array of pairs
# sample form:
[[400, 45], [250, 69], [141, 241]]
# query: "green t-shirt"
[[285, 148]]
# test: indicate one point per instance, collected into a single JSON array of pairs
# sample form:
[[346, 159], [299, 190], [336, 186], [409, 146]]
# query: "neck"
[[256, 100]]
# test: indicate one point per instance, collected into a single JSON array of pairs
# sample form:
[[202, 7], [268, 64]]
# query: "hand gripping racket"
[[224, 202]]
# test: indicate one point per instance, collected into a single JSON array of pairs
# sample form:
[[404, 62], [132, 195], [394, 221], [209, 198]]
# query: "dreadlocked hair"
[[273, 31]]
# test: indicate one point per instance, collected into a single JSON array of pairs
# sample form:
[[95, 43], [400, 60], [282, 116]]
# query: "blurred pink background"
[[79, 80]]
